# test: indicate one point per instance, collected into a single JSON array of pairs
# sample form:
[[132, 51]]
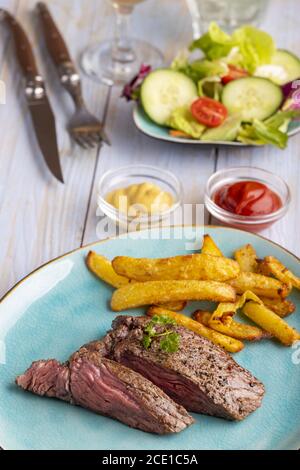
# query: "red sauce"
[[247, 198]]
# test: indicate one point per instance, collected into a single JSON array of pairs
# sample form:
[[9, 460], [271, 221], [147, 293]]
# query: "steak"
[[108, 388], [200, 376]]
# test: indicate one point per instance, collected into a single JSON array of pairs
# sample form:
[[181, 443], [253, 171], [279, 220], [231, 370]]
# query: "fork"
[[85, 129]]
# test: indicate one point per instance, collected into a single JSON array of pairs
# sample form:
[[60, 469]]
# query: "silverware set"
[[86, 130]]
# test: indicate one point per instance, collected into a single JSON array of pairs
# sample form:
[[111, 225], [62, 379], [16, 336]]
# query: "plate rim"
[[176, 140], [115, 237]]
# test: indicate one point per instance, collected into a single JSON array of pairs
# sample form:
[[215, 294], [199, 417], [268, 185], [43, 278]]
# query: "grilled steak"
[[108, 388], [200, 376]]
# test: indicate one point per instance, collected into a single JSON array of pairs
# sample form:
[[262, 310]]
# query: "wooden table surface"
[[41, 219]]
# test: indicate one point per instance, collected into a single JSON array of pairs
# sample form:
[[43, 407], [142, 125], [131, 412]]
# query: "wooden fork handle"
[[23, 47], [54, 40]]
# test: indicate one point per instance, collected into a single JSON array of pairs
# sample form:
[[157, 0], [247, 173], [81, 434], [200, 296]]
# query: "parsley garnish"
[[170, 343], [170, 339]]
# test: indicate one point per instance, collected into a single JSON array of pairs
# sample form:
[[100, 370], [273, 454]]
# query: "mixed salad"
[[239, 88]]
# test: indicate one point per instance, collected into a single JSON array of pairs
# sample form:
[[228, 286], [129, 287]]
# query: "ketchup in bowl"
[[247, 198]]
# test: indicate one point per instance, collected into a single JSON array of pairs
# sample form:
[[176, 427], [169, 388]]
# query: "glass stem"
[[122, 50]]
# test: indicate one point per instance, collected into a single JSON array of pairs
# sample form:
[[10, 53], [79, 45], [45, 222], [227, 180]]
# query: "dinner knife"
[[35, 91]]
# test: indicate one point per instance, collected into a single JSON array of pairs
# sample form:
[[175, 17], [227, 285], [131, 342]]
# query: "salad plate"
[[62, 305], [238, 89]]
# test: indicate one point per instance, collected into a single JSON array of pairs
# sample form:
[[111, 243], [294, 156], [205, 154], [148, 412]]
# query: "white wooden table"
[[41, 219]]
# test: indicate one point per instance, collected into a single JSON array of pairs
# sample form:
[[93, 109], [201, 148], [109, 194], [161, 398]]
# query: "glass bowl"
[[136, 174], [233, 175]]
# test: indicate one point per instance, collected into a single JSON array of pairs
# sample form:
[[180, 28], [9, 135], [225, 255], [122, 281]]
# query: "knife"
[[41, 113]]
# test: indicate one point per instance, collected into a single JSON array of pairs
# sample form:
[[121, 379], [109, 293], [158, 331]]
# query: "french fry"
[[102, 268], [234, 329], [225, 310], [271, 322], [225, 342], [260, 285], [209, 247], [176, 306], [263, 268], [202, 316], [247, 258], [154, 292], [222, 319], [283, 308], [193, 267], [274, 267]]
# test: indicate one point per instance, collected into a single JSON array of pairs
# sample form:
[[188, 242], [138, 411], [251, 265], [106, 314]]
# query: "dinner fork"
[[85, 129]]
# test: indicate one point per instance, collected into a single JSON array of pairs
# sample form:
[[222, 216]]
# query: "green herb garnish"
[[170, 343], [170, 339]]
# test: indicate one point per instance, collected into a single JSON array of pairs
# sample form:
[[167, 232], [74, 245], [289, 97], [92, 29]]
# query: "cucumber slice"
[[252, 98], [284, 68], [165, 90]]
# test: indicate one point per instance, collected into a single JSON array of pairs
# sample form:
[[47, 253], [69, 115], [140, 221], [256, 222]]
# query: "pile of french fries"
[[258, 289]]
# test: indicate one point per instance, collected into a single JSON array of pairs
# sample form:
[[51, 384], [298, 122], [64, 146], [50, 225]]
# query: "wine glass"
[[116, 61], [229, 14]]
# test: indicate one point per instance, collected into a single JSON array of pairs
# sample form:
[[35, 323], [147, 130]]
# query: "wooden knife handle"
[[55, 42], [23, 47]]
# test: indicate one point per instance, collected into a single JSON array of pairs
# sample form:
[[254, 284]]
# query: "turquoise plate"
[[148, 127], [62, 306]]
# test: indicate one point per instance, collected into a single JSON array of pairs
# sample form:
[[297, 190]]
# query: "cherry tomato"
[[209, 112], [234, 73]]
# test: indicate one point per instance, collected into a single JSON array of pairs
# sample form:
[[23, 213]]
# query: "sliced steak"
[[107, 388], [47, 378], [200, 376]]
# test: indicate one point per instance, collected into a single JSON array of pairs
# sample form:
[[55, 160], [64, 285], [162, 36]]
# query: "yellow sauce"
[[140, 199]]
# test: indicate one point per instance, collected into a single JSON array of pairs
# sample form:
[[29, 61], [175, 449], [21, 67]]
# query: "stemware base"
[[97, 62]]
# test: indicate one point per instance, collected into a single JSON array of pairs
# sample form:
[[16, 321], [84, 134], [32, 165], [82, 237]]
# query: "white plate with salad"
[[240, 90]]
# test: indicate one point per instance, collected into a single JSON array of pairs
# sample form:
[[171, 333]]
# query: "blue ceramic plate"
[[62, 306], [148, 127]]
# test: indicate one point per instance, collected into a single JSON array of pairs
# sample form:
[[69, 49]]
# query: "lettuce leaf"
[[182, 119], [256, 47], [272, 131], [215, 43], [211, 87], [253, 47], [260, 133], [248, 136], [207, 68], [281, 119], [181, 60], [199, 69], [269, 134], [247, 140], [227, 131]]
